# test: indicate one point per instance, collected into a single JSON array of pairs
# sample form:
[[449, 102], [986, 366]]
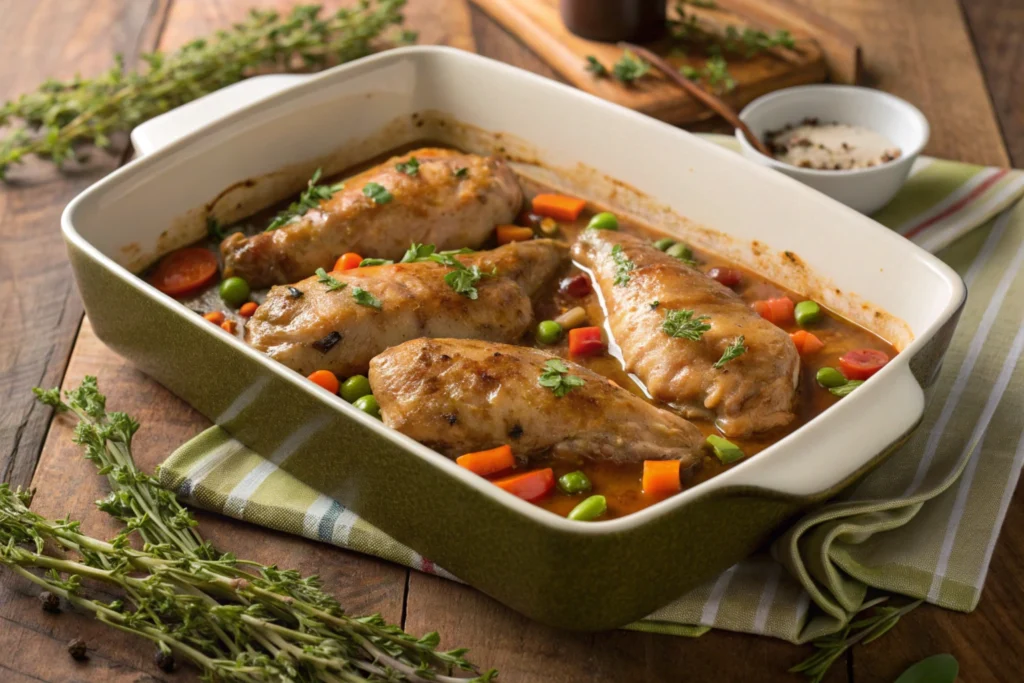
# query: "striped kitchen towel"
[[923, 524]]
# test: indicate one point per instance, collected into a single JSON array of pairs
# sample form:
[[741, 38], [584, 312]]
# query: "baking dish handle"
[[162, 130]]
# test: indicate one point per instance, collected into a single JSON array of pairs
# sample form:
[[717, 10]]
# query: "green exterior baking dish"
[[576, 575]]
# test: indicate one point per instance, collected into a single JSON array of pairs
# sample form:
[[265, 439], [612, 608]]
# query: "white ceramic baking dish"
[[531, 559]]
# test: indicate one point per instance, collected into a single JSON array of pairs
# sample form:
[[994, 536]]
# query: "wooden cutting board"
[[824, 50]]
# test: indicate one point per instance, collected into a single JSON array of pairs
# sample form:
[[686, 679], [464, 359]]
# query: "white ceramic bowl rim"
[[910, 111]]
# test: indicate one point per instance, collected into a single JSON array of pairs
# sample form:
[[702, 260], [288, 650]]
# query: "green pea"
[[588, 509], [604, 221], [355, 387], [234, 291], [680, 251], [829, 378], [549, 332], [574, 482], [725, 450], [806, 312], [368, 404], [664, 243]]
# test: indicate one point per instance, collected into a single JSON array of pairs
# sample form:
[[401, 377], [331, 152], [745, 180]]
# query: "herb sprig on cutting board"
[[63, 119], [232, 618]]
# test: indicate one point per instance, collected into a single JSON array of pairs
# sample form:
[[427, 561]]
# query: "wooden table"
[[962, 64]]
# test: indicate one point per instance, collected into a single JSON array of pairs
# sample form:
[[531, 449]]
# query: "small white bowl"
[[863, 189]]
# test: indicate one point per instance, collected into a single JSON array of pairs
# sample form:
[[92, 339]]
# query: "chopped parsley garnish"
[[845, 389], [332, 283], [364, 298], [733, 351], [596, 67], [375, 262], [378, 193], [309, 199], [463, 280], [629, 68], [556, 378], [417, 252], [411, 167], [655, 304], [461, 172], [682, 324], [623, 266]]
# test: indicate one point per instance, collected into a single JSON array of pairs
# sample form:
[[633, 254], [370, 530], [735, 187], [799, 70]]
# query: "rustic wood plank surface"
[[919, 49]]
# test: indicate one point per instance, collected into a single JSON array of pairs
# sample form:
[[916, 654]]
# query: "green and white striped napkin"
[[924, 524]]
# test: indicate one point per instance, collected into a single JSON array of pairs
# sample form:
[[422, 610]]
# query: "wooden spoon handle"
[[710, 100]]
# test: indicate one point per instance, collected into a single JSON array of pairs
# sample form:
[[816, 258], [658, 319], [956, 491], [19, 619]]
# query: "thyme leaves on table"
[[61, 120], [233, 619]]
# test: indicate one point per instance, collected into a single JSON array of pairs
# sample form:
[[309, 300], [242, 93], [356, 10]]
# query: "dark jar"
[[614, 20]]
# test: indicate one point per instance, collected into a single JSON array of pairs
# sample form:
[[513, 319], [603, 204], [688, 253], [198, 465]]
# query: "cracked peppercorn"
[[164, 661], [78, 650], [49, 602]]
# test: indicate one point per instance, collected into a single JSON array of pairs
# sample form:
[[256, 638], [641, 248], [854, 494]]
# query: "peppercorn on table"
[[46, 343]]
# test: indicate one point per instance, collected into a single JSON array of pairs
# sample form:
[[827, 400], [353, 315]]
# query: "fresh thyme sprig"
[[736, 349], [309, 199], [681, 323], [62, 119], [234, 619], [715, 72], [629, 68], [865, 630], [623, 266]]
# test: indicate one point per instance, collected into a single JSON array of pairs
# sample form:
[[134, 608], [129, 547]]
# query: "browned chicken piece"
[[460, 395], [754, 392], [441, 204], [309, 326]]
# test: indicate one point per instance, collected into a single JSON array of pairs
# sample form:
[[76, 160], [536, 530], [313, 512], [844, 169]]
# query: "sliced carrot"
[[558, 206], [215, 317], [585, 341], [661, 477], [488, 462], [529, 486], [348, 261], [248, 308], [778, 311], [325, 379], [513, 233], [862, 363], [184, 271], [228, 326], [806, 343]]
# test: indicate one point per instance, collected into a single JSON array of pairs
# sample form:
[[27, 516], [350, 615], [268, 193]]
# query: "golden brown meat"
[[324, 329], [754, 392], [440, 205], [460, 395]]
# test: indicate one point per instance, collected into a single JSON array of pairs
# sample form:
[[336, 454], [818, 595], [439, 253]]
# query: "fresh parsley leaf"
[[555, 378], [378, 193], [461, 172], [596, 67], [417, 252], [364, 298], [463, 280], [623, 266], [310, 198], [410, 168], [375, 262], [682, 324], [214, 229], [630, 68], [655, 304], [846, 389], [733, 351], [332, 283]]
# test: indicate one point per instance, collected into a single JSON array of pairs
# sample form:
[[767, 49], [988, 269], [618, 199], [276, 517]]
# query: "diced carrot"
[[348, 261], [513, 233], [488, 462], [215, 317], [558, 206], [661, 477], [325, 379], [248, 308], [184, 271], [585, 341], [862, 363], [778, 311], [806, 343], [529, 486], [228, 326]]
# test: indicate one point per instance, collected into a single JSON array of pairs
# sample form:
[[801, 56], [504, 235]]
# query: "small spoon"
[[710, 100]]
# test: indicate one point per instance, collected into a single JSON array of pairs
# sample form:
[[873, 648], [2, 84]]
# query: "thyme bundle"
[[61, 120], [234, 619]]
